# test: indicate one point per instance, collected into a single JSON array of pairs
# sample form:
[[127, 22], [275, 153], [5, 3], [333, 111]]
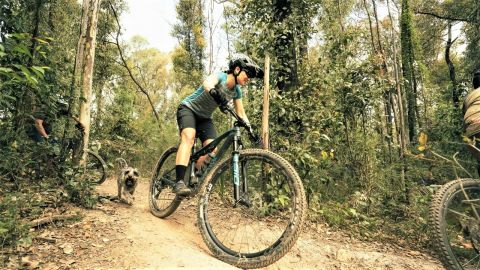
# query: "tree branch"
[[444, 17], [140, 87]]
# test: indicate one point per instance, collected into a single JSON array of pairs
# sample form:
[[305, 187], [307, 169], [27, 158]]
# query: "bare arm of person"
[[210, 82], [240, 110], [40, 128]]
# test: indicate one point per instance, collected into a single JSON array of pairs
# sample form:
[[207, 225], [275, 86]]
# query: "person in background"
[[471, 117]]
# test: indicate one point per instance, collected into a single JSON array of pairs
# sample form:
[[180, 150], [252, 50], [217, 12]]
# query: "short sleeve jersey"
[[203, 104]]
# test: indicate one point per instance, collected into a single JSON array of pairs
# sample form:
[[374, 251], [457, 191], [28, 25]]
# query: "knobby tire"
[[291, 232]]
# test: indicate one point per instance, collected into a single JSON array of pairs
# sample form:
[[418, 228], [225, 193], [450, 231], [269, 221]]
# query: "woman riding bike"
[[195, 112]]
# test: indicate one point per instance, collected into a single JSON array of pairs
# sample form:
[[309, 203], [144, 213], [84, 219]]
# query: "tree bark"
[[402, 133], [90, 34], [408, 67], [451, 68], [266, 104]]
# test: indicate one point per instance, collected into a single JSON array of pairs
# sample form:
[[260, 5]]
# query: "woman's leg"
[[186, 123]]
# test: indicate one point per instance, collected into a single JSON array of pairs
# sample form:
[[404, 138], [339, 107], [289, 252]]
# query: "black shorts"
[[186, 118]]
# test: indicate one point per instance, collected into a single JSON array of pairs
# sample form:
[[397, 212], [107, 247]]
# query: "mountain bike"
[[251, 205], [455, 222]]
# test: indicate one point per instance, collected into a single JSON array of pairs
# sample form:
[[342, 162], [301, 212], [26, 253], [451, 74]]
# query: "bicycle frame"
[[230, 137]]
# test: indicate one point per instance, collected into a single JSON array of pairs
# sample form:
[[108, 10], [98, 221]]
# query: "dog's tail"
[[122, 163]]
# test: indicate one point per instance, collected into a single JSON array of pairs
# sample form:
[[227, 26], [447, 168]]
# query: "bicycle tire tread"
[[102, 162], [163, 213], [437, 222], [277, 252]]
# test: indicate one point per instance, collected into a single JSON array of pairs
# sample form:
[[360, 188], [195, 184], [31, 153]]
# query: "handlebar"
[[240, 122]]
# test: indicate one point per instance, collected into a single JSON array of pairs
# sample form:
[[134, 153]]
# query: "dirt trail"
[[116, 236]]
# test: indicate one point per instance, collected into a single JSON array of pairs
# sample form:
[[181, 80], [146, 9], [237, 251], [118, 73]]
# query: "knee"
[[188, 138]]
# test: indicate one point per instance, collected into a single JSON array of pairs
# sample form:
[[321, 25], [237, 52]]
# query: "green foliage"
[[188, 58], [12, 229], [81, 192]]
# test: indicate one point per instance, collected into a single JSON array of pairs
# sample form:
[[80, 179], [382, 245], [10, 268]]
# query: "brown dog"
[[127, 181]]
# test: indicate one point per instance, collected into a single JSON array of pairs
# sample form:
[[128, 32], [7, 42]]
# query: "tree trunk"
[[90, 22], [408, 67], [266, 104], [402, 133], [451, 68], [371, 27]]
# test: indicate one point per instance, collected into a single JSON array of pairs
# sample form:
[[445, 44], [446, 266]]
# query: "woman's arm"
[[210, 82], [240, 110]]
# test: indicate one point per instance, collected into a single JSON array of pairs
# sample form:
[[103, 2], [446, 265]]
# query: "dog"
[[127, 181]]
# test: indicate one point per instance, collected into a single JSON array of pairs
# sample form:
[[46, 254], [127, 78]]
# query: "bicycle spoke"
[[459, 214], [467, 263], [269, 195], [162, 201]]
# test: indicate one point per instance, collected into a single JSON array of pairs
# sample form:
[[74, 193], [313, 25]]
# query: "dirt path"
[[121, 237]]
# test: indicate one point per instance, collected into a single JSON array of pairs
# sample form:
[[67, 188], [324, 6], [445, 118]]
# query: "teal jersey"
[[203, 104]]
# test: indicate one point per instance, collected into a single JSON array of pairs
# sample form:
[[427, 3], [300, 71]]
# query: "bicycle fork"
[[240, 186]]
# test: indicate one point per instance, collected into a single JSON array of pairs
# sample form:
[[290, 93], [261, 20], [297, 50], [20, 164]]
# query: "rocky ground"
[[116, 236]]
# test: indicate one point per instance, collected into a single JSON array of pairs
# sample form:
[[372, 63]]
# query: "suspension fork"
[[235, 166], [240, 185]]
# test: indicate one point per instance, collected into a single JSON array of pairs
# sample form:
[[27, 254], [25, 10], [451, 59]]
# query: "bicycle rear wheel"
[[260, 228], [95, 168], [456, 224], [162, 201]]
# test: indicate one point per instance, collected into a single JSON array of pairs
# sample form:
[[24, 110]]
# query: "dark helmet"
[[62, 107], [246, 64]]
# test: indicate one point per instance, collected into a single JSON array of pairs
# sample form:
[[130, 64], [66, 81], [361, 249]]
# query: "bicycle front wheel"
[[162, 201], [456, 223], [95, 168], [260, 227]]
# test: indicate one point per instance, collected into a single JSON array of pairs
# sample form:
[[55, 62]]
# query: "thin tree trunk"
[[35, 31], [227, 32], [137, 83], [451, 67], [374, 48], [87, 69], [266, 104], [210, 38], [384, 73], [408, 67], [401, 116]]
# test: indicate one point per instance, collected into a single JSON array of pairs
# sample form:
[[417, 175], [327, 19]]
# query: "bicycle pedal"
[[194, 180]]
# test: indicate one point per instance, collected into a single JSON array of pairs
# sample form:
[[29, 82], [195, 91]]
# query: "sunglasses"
[[250, 73]]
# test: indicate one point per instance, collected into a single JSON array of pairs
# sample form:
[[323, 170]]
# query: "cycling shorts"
[[186, 118]]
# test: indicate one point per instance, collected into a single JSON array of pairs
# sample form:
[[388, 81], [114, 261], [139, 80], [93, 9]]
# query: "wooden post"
[[266, 103]]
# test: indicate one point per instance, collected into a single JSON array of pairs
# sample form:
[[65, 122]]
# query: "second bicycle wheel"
[[95, 168], [264, 224], [161, 199], [455, 220]]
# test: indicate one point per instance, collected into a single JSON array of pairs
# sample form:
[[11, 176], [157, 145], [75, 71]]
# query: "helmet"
[[246, 64], [62, 107]]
